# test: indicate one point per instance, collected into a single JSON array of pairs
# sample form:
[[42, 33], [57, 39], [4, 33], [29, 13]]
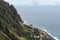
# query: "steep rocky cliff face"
[[12, 27], [9, 21]]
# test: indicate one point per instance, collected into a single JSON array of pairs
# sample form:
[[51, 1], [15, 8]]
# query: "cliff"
[[12, 26]]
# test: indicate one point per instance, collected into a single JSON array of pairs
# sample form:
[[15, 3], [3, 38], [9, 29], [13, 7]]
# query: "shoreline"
[[43, 30], [49, 34]]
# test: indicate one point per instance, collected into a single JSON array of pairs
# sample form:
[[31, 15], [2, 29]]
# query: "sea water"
[[45, 17]]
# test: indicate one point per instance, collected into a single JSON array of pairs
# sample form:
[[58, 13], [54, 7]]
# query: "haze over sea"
[[43, 14], [45, 17]]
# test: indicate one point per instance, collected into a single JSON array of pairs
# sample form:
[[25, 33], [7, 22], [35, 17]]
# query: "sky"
[[34, 2]]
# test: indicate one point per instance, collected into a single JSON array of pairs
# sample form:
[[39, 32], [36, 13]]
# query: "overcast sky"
[[34, 2]]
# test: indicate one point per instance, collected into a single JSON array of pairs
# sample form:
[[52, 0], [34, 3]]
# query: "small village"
[[40, 35]]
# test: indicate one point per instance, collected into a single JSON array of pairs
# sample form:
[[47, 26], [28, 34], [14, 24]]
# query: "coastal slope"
[[12, 26]]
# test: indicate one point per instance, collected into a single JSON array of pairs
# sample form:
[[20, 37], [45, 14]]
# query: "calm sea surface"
[[47, 18]]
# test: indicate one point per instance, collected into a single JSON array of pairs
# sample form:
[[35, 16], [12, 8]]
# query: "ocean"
[[44, 17]]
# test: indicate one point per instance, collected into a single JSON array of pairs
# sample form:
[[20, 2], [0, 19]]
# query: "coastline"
[[14, 30], [49, 34]]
